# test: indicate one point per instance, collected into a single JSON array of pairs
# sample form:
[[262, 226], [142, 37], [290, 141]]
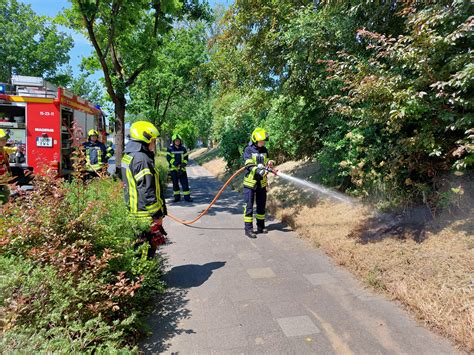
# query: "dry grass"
[[217, 167], [198, 152], [432, 278]]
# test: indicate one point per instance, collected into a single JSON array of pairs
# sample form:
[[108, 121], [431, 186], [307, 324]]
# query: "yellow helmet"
[[259, 134], [92, 132], [176, 136], [3, 134], [143, 131]]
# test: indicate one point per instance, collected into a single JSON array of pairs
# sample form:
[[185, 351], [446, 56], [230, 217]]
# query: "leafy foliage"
[[409, 105], [381, 96], [31, 44], [172, 76], [71, 279], [125, 36]]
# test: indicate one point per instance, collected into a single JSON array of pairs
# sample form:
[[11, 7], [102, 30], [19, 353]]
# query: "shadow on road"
[[191, 275], [278, 226], [171, 308]]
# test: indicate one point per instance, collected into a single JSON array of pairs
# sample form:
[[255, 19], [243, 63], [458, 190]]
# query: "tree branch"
[[157, 101], [157, 7], [137, 72], [168, 100], [133, 77], [115, 59], [95, 43]]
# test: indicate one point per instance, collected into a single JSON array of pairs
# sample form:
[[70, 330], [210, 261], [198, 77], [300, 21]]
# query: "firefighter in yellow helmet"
[[96, 154], [255, 181], [143, 195], [177, 157], [5, 172]]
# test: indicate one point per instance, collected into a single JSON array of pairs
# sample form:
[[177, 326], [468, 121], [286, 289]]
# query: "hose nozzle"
[[271, 170]]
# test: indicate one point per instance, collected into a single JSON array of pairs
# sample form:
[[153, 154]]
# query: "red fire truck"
[[40, 118]]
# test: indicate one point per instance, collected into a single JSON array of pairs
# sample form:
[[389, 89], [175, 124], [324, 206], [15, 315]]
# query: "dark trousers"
[[259, 195], [180, 177]]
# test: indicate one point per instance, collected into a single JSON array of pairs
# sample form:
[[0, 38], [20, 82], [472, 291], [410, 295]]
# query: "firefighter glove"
[[261, 170]]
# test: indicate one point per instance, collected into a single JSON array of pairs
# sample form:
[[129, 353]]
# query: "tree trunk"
[[120, 106]]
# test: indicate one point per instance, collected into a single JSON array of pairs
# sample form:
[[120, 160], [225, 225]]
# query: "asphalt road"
[[228, 294]]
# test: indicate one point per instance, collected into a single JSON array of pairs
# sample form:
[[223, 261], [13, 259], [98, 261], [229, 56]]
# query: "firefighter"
[[5, 172], [96, 154], [109, 150], [255, 181], [178, 159], [143, 194]]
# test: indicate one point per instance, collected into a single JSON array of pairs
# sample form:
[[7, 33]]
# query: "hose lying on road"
[[182, 221]]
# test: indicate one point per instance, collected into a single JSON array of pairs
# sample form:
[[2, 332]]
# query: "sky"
[[81, 45]]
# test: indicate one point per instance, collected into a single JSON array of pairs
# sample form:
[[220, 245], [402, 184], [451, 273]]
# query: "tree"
[[86, 88], [31, 44], [410, 106], [380, 95], [125, 35], [173, 75]]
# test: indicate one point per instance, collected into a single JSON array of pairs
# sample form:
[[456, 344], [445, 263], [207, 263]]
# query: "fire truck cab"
[[43, 121]]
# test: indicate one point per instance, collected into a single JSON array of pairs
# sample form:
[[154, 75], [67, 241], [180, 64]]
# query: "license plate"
[[44, 141]]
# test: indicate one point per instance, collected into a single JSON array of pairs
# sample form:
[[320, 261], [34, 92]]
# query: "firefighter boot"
[[249, 232], [177, 197], [261, 227]]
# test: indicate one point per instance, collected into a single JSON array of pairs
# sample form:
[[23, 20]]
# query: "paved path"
[[275, 295]]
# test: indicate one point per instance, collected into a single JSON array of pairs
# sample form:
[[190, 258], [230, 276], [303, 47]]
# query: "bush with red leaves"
[[72, 281]]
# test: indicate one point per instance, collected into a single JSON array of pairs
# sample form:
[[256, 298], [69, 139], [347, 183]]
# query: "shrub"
[[71, 278]]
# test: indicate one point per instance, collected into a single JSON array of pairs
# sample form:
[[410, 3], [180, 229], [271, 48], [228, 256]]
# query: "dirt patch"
[[196, 153], [217, 167], [424, 263]]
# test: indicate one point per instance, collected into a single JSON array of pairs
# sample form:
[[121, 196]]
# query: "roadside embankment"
[[425, 264]]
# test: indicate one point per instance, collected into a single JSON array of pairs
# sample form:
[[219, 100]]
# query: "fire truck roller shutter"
[[90, 122], [81, 121]]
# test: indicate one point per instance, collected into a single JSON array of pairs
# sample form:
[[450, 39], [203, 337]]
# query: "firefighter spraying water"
[[256, 168]]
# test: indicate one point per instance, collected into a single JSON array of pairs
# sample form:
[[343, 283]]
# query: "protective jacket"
[[143, 194], [177, 157], [95, 155], [254, 155]]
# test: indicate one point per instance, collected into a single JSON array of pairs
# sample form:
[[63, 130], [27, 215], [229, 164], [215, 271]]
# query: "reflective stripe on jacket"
[[141, 179], [254, 155], [177, 156], [95, 155]]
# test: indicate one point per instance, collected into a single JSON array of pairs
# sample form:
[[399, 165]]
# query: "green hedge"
[[71, 279]]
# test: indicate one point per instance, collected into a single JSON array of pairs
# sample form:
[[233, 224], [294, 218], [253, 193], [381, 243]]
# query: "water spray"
[[310, 185], [300, 182]]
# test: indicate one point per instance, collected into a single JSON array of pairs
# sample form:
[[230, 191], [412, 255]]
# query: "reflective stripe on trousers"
[[178, 178], [259, 195]]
